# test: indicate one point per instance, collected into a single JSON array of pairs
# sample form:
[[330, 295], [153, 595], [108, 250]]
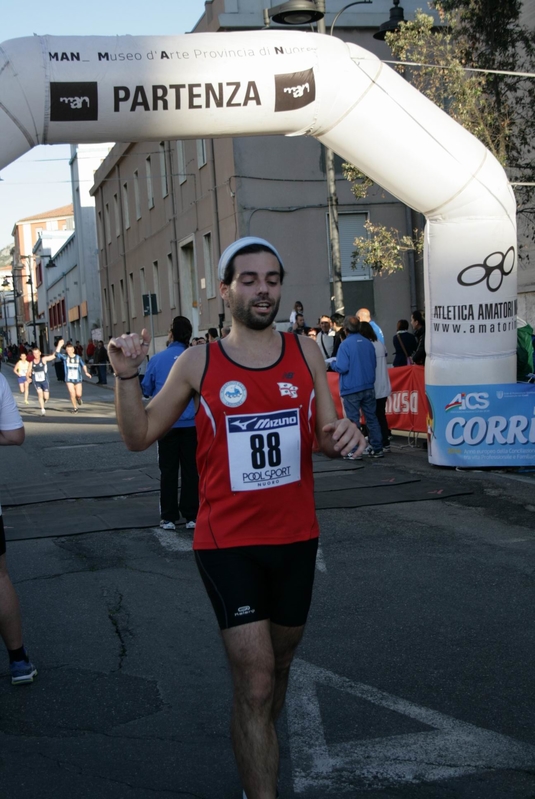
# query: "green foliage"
[[360, 183], [384, 249], [494, 39], [497, 109], [459, 93]]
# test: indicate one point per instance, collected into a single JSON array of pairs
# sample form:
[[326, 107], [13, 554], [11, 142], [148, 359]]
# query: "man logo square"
[[75, 101], [294, 90]]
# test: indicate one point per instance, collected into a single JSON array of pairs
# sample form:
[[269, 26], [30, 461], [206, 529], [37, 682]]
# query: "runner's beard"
[[244, 312]]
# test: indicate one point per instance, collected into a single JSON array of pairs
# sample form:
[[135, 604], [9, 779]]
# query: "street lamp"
[[17, 294], [392, 24], [303, 12], [5, 317], [49, 265], [5, 306], [296, 12], [29, 282]]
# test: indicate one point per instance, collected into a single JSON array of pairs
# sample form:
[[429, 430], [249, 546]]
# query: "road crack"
[[120, 620]]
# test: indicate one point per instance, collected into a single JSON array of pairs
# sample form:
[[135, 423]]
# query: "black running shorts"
[[247, 584], [2, 537]]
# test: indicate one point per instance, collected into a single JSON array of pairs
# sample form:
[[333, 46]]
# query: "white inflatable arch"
[[92, 89]]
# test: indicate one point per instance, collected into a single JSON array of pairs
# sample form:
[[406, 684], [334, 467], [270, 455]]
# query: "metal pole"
[[356, 3], [334, 232], [15, 303], [33, 310], [6, 320]]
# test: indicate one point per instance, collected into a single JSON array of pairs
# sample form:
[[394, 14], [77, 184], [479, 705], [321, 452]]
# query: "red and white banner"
[[406, 406]]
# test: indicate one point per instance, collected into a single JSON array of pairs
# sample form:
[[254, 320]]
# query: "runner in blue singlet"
[[39, 374], [75, 369]]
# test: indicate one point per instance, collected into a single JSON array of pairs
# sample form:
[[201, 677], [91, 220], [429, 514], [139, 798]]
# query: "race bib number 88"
[[264, 449]]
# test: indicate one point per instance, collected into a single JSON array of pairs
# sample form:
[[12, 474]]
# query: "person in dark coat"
[[405, 344], [101, 360], [418, 325]]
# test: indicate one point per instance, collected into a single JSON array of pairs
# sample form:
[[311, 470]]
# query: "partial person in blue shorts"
[[75, 369], [20, 666], [22, 369], [39, 375]]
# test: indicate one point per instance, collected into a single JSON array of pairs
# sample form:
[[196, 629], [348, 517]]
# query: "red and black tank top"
[[255, 430]]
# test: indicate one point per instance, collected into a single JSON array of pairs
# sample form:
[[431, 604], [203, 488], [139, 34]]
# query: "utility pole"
[[332, 204]]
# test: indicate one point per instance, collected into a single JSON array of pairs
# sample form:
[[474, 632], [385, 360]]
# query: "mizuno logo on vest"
[[240, 424]]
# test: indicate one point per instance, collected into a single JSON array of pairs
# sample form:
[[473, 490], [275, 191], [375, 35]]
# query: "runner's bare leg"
[[285, 641], [10, 620], [260, 677], [41, 399], [72, 395]]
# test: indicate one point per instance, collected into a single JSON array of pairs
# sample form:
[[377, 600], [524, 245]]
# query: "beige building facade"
[[27, 273], [166, 210]]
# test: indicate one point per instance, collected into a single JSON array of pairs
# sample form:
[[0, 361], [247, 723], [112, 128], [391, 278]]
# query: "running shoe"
[[167, 525], [74, 410], [43, 412], [26, 402], [79, 400], [375, 453], [190, 525], [22, 671]]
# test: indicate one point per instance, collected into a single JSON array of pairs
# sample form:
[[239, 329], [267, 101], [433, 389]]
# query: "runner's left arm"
[[336, 437], [140, 425]]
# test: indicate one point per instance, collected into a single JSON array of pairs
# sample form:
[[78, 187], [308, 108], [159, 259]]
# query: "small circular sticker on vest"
[[233, 394]]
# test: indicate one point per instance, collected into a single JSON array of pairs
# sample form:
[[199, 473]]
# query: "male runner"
[[39, 374], [261, 395], [74, 366], [22, 370]]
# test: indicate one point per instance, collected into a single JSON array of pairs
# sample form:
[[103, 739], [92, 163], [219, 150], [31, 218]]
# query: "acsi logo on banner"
[[468, 402]]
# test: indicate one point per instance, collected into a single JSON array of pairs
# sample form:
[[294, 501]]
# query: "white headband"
[[238, 245]]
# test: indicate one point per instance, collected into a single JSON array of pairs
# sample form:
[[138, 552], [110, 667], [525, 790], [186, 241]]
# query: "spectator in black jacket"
[[101, 359], [418, 325], [405, 344], [337, 320]]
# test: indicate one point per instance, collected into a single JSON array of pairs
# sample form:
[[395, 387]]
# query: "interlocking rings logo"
[[494, 268]]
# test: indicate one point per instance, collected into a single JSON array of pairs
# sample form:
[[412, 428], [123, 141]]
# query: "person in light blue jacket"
[[355, 363], [177, 449]]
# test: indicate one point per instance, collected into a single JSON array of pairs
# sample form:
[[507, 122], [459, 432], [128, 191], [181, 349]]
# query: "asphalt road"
[[414, 680]]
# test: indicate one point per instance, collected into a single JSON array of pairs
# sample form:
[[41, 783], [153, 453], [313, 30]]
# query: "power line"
[[465, 69]]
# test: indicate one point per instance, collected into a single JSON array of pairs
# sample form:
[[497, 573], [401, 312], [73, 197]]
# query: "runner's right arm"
[[141, 425]]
